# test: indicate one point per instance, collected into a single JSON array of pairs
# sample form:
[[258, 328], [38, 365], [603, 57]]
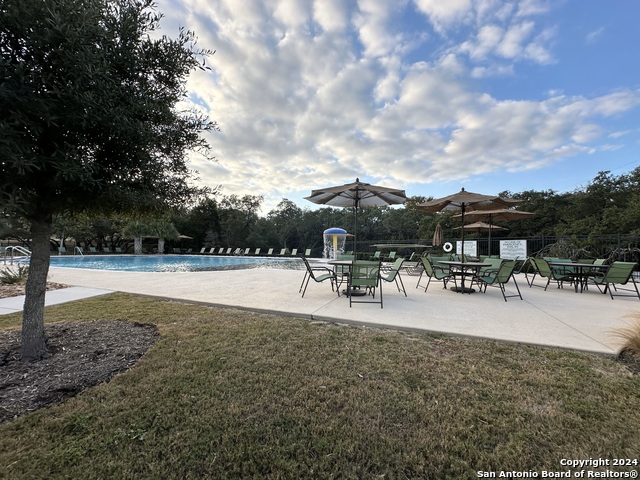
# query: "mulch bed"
[[81, 355]]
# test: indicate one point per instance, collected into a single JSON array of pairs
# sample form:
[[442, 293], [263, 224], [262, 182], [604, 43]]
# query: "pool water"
[[172, 263]]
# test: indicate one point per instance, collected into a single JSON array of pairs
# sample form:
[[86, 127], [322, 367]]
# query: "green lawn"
[[231, 394]]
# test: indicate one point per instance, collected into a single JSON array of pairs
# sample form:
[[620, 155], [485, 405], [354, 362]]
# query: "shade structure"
[[438, 236], [501, 215], [357, 195], [464, 201]]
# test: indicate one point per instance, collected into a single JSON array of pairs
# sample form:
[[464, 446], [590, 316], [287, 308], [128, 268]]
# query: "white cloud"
[[311, 94]]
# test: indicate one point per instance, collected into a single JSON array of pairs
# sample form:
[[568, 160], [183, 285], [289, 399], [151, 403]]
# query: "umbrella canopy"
[[502, 215], [357, 195], [438, 236], [466, 201], [480, 227]]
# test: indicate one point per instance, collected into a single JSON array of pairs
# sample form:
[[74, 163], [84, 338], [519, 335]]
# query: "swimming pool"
[[172, 263]]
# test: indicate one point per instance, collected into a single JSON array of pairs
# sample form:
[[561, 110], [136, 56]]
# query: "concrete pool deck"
[[556, 317]]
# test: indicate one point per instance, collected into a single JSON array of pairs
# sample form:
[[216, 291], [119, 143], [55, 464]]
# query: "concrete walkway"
[[556, 317]]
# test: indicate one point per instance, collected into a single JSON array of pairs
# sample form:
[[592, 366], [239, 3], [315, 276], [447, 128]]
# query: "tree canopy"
[[89, 119]]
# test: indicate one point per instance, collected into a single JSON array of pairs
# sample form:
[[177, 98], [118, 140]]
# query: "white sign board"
[[470, 248], [513, 249]]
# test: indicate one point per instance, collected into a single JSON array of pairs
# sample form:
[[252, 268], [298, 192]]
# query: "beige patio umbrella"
[[438, 236], [501, 215], [480, 227], [464, 202], [357, 195]]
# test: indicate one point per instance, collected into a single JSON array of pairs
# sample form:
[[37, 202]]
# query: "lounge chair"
[[365, 275], [618, 273], [257, 252], [434, 272], [62, 250], [270, 252], [318, 277], [247, 251], [93, 250], [283, 252], [106, 250], [394, 275], [391, 257], [294, 252], [307, 252], [500, 277]]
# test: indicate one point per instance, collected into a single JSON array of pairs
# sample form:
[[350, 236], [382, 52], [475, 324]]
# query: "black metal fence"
[[613, 247]]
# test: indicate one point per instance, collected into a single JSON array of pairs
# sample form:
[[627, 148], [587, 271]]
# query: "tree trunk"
[[33, 339], [137, 245]]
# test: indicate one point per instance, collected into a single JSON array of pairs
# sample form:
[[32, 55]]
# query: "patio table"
[[579, 272], [464, 268]]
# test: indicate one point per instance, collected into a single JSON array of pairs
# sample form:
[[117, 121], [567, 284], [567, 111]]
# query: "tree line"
[[608, 204]]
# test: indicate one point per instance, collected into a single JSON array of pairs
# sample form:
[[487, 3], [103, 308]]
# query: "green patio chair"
[[318, 274], [394, 275], [500, 277], [545, 271], [365, 275], [618, 273], [436, 272]]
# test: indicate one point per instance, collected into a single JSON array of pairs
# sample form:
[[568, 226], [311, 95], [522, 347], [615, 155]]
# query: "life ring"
[[447, 247]]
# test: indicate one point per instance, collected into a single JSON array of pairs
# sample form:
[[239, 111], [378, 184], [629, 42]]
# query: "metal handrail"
[[15, 248]]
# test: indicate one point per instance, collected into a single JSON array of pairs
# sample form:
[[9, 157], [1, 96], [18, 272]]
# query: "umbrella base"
[[463, 289], [355, 292]]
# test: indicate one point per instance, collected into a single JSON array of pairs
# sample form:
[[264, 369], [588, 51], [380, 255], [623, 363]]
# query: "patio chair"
[[434, 272], [394, 275], [618, 273], [270, 252], [391, 257], [365, 274], [545, 271], [307, 252], [294, 252], [500, 277], [257, 252], [314, 273], [106, 250]]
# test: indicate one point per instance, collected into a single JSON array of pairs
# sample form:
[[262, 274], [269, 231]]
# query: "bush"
[[12, 276]]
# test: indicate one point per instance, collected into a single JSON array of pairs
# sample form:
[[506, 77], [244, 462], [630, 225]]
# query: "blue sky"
[[423, 95]]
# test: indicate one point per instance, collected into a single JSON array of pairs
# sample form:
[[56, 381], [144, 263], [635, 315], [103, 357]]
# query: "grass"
[[232, 394]]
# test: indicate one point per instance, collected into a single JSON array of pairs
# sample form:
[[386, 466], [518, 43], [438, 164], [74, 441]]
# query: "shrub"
[[12, 276], [631, 337]]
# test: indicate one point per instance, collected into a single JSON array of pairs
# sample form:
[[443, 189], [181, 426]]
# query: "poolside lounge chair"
[[618, 273], [365, 275], [283, 252], [270, 251], [500, 277], [307, 252], [319, 275], [394, 275], [257, 252], [434, 272], [203, 250], [294, 252], [106, 250], [93, 250], [62, 250], [247, 251]]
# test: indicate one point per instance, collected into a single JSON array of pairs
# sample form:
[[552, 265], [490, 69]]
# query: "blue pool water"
[[171, 263]]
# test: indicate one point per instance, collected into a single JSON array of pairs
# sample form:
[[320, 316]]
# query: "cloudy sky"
[[424, 95]]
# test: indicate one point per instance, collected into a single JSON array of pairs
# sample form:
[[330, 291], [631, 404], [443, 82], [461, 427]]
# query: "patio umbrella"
[[464, 201], [502, 215], [438, 236], [357, 195], [479, 227]]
